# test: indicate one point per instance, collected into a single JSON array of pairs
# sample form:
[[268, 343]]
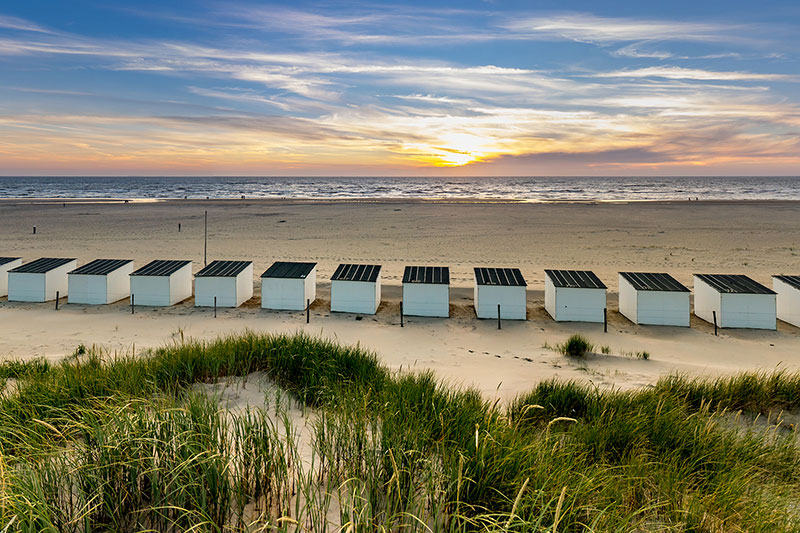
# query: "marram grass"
[[99, 443]]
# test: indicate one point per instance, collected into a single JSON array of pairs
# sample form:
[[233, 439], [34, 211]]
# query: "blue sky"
[[418, 88]]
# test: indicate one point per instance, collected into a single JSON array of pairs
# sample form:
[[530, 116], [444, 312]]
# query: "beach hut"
[[6, 264], [101, 281], [289, 285], [162, 282], [574, 296], [426, 291], [230, 282], [40, 280], [653, 298], [356, 289], [787, 290], [500, 287], [737, 301]]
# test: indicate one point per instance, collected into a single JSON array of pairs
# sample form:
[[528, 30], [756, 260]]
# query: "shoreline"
[[379, 201]]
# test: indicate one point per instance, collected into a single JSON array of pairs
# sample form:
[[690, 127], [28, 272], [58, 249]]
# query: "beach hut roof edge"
[[437, 275], [507, 277], [161, 267], [223, 269], [289, 269], [575, 279], [356, 272], [734, 284], [653, 281], [42, 265], [4, 260], [794, 281], [101, 267]]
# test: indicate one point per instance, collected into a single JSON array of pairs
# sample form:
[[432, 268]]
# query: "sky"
[[483, 88]]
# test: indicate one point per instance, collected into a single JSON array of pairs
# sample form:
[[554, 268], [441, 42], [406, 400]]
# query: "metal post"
[[308, 311], [401, 314], [132, 302], [715, 322], [498, 317], [179, 227], [215, 307], [57, 295], [205, 241], [34, 230], [605, 320]]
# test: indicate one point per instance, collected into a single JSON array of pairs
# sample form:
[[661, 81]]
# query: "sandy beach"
[[754, 238]]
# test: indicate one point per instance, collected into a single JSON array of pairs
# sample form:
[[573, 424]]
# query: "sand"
[[754, 238]]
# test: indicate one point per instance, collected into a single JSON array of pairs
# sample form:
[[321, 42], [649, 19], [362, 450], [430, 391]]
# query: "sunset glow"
[[377, 89]]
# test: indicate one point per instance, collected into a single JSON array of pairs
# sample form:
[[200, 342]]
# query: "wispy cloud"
[[590, 28], [679, 73], [638, 50], [15, 23]]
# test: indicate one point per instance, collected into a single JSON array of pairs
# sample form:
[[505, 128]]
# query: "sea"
[[529, 189]]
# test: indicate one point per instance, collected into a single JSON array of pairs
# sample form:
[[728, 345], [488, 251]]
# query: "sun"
[[457, 159], [458, 149]]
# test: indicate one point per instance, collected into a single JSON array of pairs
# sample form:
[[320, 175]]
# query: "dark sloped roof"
[[509, 277], [101, 267], [734, 284], [653, 281], [289, 269], [351, 272], [794, 281], [4, 260], [161, 267], [427, 274], [575, 279], [42, 265], [223, 269]]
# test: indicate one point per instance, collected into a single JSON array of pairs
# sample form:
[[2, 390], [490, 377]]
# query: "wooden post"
[[308, 310], [132, 302], [179, 227], [57, 295], [498, 317], [34, 230], [205, 241], [401, 314], [215, 307], [605, 320], [715, 322]]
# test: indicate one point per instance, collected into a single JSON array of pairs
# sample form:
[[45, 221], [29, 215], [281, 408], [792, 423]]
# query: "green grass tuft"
[[576, 346]]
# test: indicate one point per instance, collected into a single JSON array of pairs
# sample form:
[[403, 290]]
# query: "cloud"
[[636, 50], [679, 73], [15, 23], [594, 29]]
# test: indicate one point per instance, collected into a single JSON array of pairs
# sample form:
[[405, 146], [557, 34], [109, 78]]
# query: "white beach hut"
[[101, 281], [653, 298], [162, 283], [788, 298], [426, 291], [502, 288], [39, 280], [289, 285], [230, 282], [736, 300], [6, 264], [574, 296], [356, 289]]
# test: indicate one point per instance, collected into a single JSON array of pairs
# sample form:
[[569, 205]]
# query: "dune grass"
[[575, 346], [123, 443]]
